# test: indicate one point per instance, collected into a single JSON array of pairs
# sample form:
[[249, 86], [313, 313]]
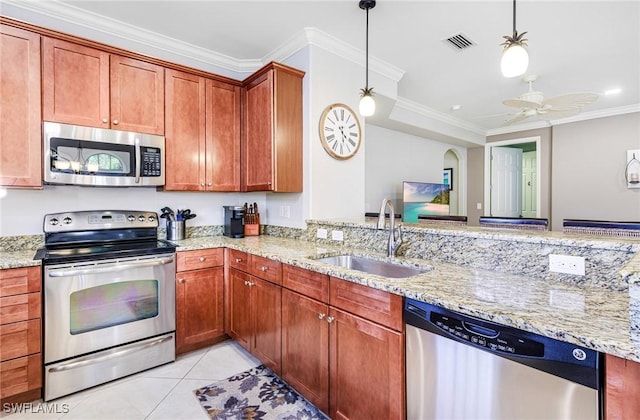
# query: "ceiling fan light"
[[367, 105], [515, 61]]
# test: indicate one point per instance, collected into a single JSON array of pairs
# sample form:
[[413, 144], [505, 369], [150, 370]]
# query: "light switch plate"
[[337, 235], [567, 264]]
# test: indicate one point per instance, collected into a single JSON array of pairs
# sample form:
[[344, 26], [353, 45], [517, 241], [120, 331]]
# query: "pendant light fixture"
[[367, 104], [515, 59]]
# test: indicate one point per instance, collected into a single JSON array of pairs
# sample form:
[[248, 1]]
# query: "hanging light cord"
[[366, 48], [514, 18]]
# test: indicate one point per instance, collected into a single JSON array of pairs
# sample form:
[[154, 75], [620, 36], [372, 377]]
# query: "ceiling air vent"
[[459, 41]]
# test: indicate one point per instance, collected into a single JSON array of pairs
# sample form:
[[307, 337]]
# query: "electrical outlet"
[[337, 235], [566, 264], [322, 233]]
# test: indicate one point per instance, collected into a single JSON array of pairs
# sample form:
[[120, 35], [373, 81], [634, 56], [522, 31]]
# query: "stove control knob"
[[131, 218], [53, 221], [66, 220], [141, 218], [151, 219]]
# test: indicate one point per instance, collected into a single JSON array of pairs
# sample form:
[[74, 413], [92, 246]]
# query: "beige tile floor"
[[165, 392]]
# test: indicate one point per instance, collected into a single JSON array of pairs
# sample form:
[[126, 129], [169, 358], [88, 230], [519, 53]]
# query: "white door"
[[529, 184], [506, 182]]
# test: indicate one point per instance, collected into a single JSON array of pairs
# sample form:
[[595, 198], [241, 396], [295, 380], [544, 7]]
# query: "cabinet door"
[[366, 369], [622, 387], [258, 136], [75, 84], [185, 139], [20, 131], [137, 96], [305, 347], [239, 308], [199, 307], [223, 136], [266, 306]]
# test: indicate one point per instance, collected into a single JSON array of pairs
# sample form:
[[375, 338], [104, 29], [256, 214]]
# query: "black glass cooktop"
[[60, 253]]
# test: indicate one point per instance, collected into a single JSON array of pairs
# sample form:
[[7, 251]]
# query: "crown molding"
[[70, 15], [439, 116]]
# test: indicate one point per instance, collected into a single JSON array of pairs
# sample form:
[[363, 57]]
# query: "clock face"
[[340, 131]]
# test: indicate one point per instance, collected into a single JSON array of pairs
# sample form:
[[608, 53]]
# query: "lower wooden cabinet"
[[621, 389], [254, 315], [348, 366], [20, 334], [199, 299]]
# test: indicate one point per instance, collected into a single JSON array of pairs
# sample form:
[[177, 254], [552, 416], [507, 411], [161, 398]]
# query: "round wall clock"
[[340, 131]]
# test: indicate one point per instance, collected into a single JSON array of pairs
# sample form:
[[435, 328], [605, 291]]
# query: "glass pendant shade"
[[367, 106], [515, 61]]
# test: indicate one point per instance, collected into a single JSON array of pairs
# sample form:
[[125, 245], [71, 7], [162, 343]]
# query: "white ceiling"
[[573, 45]]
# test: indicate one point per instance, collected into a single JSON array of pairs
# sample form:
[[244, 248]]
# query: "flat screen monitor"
[[424, 198]]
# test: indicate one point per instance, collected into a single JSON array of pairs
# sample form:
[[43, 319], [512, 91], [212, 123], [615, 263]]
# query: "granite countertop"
[[600, 319]]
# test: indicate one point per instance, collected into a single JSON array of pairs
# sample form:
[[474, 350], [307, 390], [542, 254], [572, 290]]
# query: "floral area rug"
[[255, 394]]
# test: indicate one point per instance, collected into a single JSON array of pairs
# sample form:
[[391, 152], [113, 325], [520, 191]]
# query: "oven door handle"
[[114, 268], [112, 354]]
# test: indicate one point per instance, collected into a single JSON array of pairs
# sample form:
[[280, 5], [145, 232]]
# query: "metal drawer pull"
[[320, 316], [263, 268], [180, 280], [137, 264], [89, 360], [238, 260], [330, 319], [202, 259]]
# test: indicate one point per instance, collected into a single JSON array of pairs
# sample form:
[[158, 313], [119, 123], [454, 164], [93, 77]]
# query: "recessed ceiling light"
[[614, 91], [455, 107]]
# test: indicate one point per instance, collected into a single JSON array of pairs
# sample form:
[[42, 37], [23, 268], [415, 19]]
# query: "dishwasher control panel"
[[489, 337]]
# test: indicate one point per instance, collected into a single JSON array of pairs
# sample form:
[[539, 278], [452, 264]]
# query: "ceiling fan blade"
[[552, 113], [491, 116], [517, 118], [571, 100], [520, 103]]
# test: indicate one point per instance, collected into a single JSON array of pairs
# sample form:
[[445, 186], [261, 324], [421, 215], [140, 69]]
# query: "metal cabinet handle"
[[115, 122], [104, 120], [263, 268], [202, 185], [238, 260], [330, 319], [110, 268], [320, 316], [181, 281], [202, 259]]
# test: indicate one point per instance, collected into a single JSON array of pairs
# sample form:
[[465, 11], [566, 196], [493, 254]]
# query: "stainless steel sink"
[[371, 266]]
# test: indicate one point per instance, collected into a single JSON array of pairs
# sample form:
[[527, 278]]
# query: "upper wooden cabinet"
[[202, 134], [272, 135], [86, 86], [20, 132]]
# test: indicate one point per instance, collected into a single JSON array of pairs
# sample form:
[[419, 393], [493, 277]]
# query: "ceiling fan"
[[532, 103]]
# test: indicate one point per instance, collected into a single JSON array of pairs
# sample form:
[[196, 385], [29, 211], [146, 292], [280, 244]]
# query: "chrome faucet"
[[394, 240]]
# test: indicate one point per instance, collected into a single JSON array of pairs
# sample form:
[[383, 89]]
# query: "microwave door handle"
[[137, 146], [111, 269]]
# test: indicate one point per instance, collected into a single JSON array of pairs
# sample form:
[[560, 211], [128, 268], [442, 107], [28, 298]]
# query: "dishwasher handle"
[[479, 329]]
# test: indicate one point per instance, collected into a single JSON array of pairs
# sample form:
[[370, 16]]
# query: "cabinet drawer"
[[19, 339], [199, 259], [20, 375], [376, 305], [266, 269], [19, 308], [15, 281], [306, 282], [239, 260]]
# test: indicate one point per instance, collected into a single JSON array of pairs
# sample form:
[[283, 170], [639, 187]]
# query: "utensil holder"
[[175, 230]]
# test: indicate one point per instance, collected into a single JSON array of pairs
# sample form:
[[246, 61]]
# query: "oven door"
[[91, 306]]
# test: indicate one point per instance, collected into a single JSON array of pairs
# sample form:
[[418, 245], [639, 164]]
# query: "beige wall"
[[582, 170], [589, 159]]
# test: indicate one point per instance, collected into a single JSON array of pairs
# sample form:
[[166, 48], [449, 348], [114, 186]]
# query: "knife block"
[[252, 224]]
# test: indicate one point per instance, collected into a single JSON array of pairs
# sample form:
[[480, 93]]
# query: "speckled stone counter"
[[602, 318], [597, 318]]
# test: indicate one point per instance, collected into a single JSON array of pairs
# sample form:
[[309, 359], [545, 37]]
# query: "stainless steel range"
[[109, 298]]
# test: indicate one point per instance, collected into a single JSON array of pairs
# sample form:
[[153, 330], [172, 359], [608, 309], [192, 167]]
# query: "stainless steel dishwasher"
[[460, 367]]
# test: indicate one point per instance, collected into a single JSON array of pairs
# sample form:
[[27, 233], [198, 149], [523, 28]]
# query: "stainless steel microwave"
[[77, 155]]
